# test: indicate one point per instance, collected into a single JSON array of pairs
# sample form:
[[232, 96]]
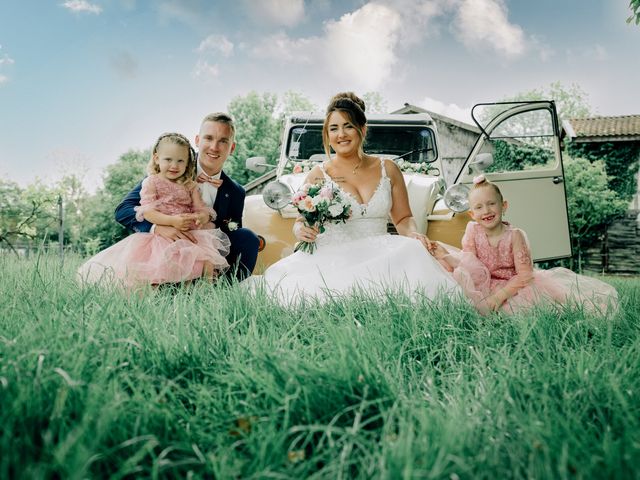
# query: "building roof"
[[408, 108], [603, 129]]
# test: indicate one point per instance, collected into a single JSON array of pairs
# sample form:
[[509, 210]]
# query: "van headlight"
[[456, 198], [276, 195]]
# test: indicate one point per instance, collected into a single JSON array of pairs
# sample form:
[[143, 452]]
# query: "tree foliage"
[[592, 204], [27, 215], [375, 103], [98, 228], [259, 122], [621, 163], [634, 5], [571, 101]]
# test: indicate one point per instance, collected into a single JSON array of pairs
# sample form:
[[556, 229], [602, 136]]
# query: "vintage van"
[[518, 148]]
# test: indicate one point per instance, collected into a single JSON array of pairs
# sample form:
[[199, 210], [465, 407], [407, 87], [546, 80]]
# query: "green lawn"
[[208, 382]]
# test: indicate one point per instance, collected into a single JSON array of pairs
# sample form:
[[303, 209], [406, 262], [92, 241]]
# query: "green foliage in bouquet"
[[318, 204]]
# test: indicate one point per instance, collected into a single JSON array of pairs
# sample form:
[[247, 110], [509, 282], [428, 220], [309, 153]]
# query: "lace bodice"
[[168, 197], [501, 260], [366, 219]]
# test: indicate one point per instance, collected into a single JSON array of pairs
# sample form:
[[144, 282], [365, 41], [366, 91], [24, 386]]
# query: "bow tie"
[[204, 178]]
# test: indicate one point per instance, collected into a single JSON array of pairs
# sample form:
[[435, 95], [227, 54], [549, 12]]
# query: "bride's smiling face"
[[344, 137]]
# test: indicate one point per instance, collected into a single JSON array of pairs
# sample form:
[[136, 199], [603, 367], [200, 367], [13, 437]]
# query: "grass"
[[207, 382]]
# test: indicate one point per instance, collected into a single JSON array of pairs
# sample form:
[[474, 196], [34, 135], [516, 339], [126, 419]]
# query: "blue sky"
[[83, 81]]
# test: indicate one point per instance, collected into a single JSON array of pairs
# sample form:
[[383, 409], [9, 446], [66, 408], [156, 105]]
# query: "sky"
[[84, 81]]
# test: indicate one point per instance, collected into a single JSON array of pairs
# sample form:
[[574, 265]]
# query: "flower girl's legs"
[[209, 272]]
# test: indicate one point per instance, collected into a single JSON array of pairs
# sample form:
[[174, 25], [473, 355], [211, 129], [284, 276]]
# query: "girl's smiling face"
[[486, 207], [172, 160]]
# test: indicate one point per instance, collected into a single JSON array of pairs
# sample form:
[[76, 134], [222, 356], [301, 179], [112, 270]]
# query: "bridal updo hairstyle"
[[353, 107]]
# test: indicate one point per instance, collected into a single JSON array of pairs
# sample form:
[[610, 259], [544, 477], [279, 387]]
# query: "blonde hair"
[[189, 174], [353, 107], [481, 182]]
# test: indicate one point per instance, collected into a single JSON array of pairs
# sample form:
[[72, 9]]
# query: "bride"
[[358, 255]]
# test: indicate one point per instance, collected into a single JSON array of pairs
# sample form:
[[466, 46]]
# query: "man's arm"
[[126, 214]]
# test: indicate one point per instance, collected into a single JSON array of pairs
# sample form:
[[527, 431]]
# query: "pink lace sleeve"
[[468, 239], [148, 198], [199, 205], [522, 262]]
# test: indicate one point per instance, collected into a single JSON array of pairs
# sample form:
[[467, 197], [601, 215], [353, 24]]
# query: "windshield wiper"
[[418, 150]]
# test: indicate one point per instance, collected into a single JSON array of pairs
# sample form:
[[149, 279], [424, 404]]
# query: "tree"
[[634, 5], [375, 103], [259, 120], [98, 229], [591, 203], [26, 214], [621, 162], [571, 101]]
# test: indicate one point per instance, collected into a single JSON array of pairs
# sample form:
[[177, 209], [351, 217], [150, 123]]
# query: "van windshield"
[[413, 143]]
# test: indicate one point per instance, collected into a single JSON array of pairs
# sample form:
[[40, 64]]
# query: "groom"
[[215, 142]]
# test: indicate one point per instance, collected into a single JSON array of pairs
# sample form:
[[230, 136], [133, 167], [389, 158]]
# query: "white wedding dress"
[[358, 256]]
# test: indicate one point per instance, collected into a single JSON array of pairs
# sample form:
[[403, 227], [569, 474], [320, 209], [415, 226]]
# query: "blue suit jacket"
[[229, 206]]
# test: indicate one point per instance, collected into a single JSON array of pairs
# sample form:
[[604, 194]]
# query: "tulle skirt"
[[146, 258], [558, 286], [371, 265]]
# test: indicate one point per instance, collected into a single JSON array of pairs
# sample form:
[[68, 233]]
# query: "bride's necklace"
[[355, 169]]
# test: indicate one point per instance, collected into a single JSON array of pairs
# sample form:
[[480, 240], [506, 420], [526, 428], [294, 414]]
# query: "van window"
[[415, 144]]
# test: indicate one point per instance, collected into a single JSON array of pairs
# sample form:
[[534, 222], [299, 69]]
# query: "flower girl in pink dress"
[[169, 196], [495, 269]]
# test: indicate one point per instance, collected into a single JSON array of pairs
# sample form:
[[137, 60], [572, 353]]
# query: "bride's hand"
[[304, 233]]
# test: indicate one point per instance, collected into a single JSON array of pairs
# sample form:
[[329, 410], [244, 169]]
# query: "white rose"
[[336, 209]]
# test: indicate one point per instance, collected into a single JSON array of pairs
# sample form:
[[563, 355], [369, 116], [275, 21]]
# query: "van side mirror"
[[257, 164], [480, 163]]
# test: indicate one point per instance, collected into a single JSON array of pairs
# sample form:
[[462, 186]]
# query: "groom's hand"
[[172, 234]]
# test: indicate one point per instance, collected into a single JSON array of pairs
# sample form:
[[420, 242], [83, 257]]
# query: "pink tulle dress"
[[484, 269], [146, 258]]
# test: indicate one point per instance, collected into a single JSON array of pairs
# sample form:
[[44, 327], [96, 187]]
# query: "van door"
[[523, 139]]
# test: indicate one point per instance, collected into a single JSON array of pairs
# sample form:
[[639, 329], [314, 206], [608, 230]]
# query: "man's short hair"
[[222, 118]]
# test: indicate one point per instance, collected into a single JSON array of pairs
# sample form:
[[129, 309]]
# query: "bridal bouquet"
[[318, 204]]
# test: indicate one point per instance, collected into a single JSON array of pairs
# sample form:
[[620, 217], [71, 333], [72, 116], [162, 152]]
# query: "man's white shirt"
[[208, 191]]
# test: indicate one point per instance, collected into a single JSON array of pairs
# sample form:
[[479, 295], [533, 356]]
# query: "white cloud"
[[218, 43], [419, 17], [282, 48], [360, 47], [206, 71], [82, 6], [450, 110], [481, 23], [3, 79], [6, 60], [545, 52], [287, 13]]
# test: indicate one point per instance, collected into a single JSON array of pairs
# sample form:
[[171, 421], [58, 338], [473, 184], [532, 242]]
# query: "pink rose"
[[299, 195], [297, 168], [307, 204], [326, 192]]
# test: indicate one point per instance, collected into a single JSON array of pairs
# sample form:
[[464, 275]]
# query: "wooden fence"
[[619, 251]]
